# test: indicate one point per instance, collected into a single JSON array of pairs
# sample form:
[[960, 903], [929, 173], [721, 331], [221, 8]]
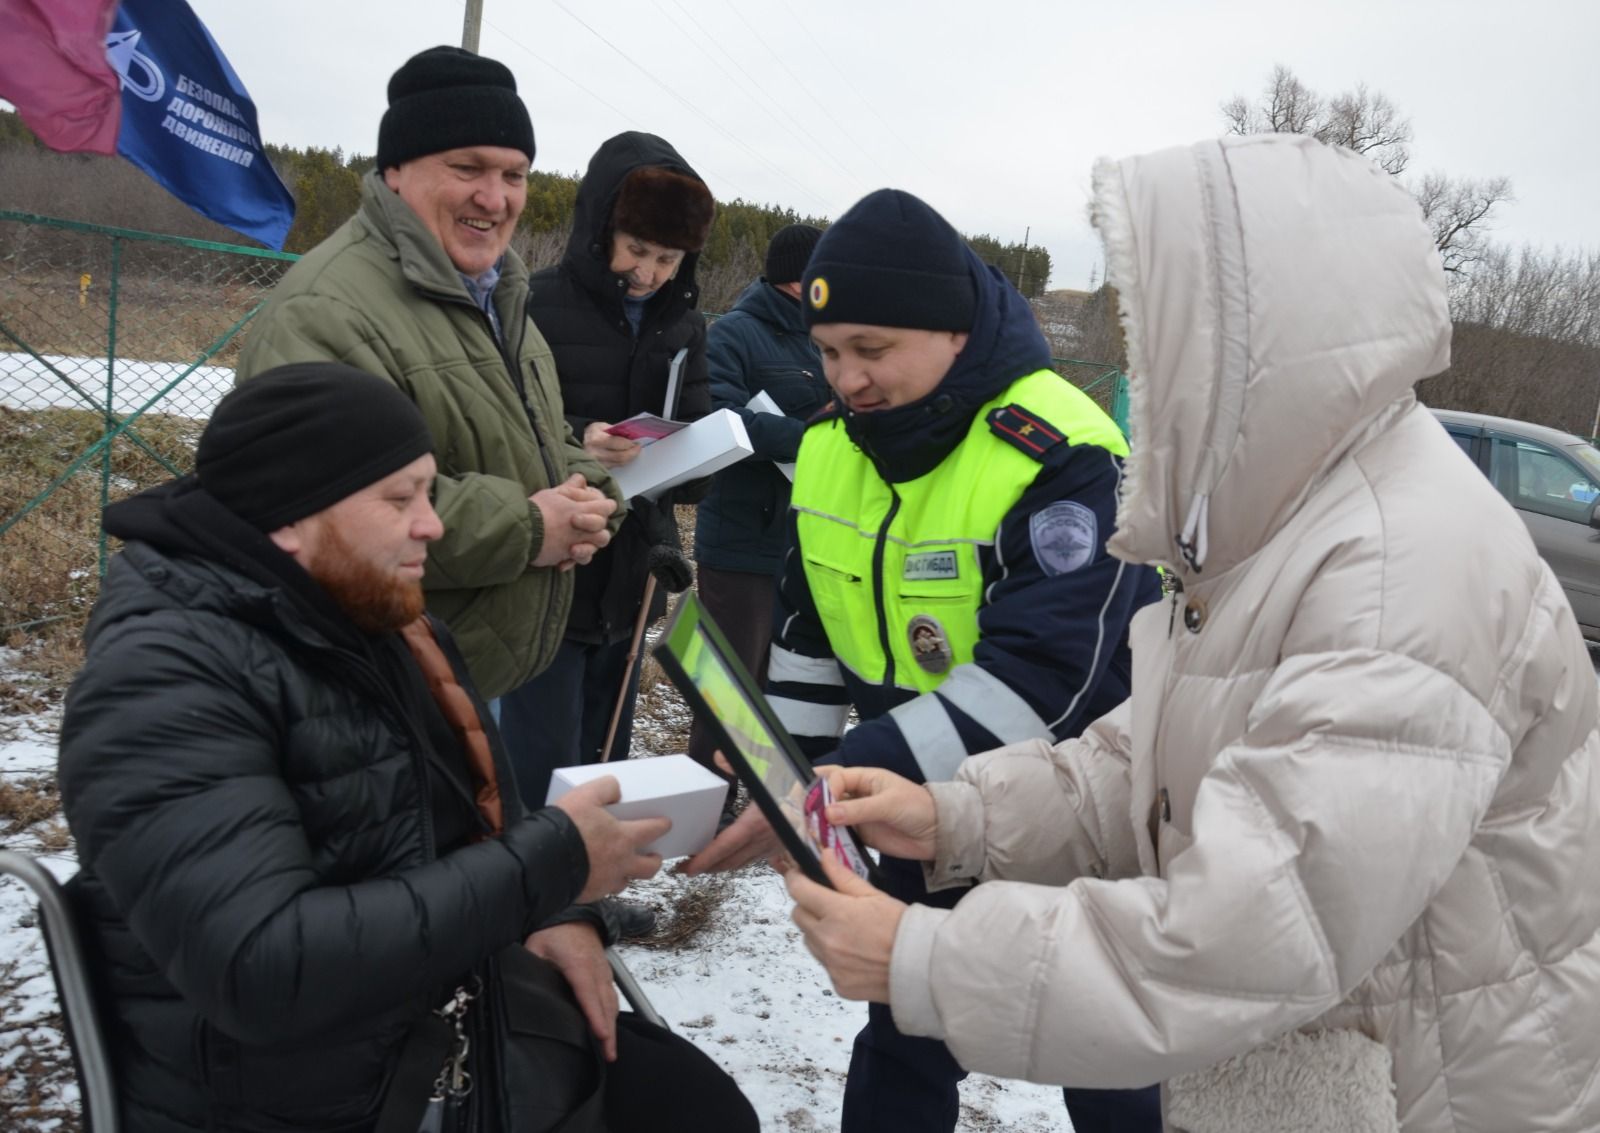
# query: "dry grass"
[[50, 556], [175, 315], [27, 802]]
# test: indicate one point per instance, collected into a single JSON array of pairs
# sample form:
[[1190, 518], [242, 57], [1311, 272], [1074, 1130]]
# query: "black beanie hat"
[[300, 438], [891, 261], [445, 98], [788, 252]]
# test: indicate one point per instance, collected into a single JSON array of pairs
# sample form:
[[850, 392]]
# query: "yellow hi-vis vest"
[[894, 570]]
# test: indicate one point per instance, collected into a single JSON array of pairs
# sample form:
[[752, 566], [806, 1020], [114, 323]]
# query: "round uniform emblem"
[[819, 293], [929, 644]]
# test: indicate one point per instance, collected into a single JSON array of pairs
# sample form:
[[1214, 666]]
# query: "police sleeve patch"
[[1064, 536]]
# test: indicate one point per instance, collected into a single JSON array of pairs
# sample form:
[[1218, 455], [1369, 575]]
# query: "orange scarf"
[[456, 704]]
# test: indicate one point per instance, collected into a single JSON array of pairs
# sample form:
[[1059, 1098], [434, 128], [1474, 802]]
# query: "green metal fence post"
[[111, 385], [1119, 403]]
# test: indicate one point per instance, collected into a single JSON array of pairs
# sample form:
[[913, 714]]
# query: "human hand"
[[613, 845], [748, 838], [850, 928], [610, 450], [575, 950], [891, 813], [574, 517]]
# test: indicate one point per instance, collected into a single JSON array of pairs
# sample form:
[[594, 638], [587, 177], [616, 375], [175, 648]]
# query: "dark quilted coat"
[[259, 809], [608, 375]]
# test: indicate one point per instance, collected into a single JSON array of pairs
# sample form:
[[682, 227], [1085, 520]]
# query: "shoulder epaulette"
[[832, 411], [1024, 430]]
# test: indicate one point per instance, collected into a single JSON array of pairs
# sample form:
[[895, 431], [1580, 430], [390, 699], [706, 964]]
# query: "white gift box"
[[711, 443], [664, 786]]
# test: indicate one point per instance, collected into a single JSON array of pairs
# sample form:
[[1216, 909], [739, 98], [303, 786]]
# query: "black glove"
[[673, 572]]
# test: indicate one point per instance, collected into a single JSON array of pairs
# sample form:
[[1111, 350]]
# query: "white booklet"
[[699, 449], [763, 403]]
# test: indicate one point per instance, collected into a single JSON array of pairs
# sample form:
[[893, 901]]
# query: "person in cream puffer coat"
[[1335, 859]]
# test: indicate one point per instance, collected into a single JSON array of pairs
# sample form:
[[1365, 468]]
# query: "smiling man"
[[946, 574], [420, 287]]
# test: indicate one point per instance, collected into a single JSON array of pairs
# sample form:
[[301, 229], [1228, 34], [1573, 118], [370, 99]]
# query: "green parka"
[[381, 294]]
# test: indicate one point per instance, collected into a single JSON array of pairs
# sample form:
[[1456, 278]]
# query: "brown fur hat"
[[664, 207]]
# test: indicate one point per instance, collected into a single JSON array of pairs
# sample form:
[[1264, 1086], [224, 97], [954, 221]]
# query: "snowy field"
[[743, 988], [27, 382]]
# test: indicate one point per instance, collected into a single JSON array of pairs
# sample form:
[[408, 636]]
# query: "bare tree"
[[1456, 210], [1526, 342], [1367, 122], [1358, 119]]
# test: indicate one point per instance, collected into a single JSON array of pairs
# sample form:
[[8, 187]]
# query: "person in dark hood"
[[297, 831], [619, 311], [758, 348], [946, 573]]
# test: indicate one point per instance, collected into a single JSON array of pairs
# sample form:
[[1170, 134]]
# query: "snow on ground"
[[27, 382], [27, 994], [744, 988]]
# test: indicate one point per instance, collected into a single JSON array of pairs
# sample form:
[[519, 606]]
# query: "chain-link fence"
[[1106, 384], [114, 347]]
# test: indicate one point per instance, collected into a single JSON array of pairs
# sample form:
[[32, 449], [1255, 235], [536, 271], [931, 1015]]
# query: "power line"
[[623, 115], [754, 88], [542, 61], [815, 101], [861, 98], [689, 105]]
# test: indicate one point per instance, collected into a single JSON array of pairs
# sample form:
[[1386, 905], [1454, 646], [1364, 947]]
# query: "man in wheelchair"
[[310, 895]]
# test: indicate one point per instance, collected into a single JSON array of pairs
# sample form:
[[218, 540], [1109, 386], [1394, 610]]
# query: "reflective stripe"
[[1099, 644], [802, 718], [866, 534], [993, 705], [787, 665], [931, 736]]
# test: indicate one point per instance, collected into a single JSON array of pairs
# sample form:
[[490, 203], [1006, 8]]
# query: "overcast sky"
[[993, 111]]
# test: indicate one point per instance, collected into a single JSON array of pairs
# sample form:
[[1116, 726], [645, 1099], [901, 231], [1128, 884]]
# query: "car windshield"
[[1588, 456]]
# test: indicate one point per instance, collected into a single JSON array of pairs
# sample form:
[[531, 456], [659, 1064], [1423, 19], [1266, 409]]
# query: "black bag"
[[533, 1063], [550, 1072]]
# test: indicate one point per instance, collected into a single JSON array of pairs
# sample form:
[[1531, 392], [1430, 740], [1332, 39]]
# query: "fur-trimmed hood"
[[588, 254], [1259, 346]]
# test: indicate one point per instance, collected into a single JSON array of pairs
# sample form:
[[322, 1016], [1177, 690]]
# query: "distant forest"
[[326, 189]]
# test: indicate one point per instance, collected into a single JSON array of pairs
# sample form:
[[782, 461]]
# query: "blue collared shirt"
[[481, 288]]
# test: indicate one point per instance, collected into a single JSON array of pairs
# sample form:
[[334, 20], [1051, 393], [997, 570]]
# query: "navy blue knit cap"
[[891, 261], [446, 98]]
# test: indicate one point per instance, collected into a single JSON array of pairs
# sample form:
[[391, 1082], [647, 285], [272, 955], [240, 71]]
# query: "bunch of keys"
[[453, 1082]]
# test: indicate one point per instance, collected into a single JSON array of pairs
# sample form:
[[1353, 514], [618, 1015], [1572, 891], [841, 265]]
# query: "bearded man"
[[298, 834]]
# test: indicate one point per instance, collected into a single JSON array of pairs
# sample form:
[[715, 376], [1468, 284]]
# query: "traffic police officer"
[[946, 574]]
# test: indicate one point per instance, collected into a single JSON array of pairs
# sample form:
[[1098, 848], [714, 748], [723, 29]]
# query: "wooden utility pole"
[[471, 22], [1022, 266]]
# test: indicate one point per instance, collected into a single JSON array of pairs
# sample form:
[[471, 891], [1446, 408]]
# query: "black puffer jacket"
[[608, 375], [259, 812], [761, 346]]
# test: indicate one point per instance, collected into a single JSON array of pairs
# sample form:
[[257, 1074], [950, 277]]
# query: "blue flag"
[[188, 122]]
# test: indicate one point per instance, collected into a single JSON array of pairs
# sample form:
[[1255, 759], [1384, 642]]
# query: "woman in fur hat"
[[617, 311]]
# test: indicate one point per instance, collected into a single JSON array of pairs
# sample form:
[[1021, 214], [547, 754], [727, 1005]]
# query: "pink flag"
[[53, 69]]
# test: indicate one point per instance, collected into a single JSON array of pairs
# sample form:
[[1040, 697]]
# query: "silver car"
[[1553, 480]]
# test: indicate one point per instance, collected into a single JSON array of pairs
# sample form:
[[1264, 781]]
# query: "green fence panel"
[[115, 344]]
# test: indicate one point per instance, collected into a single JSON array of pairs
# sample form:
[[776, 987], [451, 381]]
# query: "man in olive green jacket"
[[420, 287]]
